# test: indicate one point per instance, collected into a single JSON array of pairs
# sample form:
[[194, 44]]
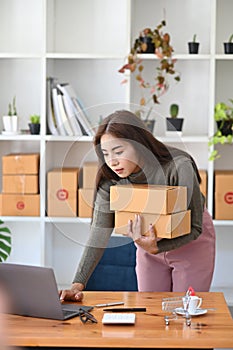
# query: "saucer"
[[198, 312]]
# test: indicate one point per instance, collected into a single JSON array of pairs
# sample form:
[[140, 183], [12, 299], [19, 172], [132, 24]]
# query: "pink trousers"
[[178, 269]]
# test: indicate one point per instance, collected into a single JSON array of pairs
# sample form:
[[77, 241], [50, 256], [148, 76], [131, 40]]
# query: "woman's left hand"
[[148, 242]]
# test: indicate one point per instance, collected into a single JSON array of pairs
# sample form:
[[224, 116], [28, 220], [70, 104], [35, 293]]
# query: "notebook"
[[32, 291]]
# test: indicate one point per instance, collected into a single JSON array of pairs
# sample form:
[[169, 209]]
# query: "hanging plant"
[[5, 242], [166, 63]]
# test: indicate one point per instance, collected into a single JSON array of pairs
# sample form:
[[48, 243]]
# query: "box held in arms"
[[163, 206], [166, 226], [152, 199], [62, 192]]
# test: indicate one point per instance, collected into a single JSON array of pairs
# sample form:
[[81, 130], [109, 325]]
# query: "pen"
[[126, 309], [110, 304]]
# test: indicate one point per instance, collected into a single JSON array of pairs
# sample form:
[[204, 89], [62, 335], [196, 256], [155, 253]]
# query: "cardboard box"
[[20, 163], [85, 202], [152, 199], [25, 184], [203, 184], [89, 174], [19, 204], [224, 194], [166, 226], [62, 192]]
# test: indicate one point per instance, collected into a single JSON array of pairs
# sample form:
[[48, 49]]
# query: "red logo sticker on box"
[[62, 194], [229, 197], [20, 205]]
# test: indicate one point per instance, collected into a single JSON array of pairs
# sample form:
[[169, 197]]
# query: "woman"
[[128, 153]]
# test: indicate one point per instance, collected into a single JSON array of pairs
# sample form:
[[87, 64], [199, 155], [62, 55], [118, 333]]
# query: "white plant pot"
[[10, 123], [7, 123], [14, 123]]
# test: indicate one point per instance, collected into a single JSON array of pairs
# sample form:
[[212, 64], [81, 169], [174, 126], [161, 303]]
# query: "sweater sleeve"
[[100, 232], [183, 174]]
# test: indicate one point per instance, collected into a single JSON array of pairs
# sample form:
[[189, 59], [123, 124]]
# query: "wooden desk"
[[212, 330]]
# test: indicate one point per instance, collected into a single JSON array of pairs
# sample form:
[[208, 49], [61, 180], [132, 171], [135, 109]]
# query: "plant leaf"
[[5, 242]]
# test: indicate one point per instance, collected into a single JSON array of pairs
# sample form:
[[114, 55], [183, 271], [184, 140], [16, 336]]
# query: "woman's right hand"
[[73, 294]]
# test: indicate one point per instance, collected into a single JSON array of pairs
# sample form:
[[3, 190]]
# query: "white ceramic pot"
[[10, 123], [14, 123], [7, 123]]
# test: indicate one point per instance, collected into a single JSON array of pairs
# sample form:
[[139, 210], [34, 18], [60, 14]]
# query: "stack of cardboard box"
[[86, 193], [163, 206], [20, 185], [62, 192]]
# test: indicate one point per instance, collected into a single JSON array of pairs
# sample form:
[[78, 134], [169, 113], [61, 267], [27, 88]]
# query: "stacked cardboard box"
[[20, 185], [203, 184], [62, 192], [163, 206], [86, 193], [224, 194]]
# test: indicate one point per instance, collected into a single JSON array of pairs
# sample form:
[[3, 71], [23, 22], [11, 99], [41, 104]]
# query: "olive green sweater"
[[179, 172]]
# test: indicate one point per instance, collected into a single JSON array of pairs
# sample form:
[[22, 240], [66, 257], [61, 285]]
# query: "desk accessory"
[[119, 318], [110, 304], [127, 309]]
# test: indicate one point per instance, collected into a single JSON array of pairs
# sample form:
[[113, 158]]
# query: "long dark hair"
[[126, 125]]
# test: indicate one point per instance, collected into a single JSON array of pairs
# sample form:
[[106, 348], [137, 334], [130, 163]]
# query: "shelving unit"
[[85, 43]]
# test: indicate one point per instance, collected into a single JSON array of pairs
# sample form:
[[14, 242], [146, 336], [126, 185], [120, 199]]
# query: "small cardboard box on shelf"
[[19, 204], [223, 195], [25, 184], [89, 171], [62, 192], [203, 184], [85, 202], [20, 163]]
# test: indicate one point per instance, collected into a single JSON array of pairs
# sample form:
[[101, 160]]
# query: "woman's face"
[[119, 155]]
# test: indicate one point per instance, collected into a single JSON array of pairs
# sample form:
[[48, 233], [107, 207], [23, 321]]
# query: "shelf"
[[20, 137], [83, 56], [67, 220], [69, 138], [177, 56], [183, 139], [223, 223]]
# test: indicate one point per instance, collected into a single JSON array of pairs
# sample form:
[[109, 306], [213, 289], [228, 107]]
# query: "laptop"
[[32, 291]]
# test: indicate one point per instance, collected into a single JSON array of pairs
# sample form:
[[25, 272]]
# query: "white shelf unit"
[[85, 43]]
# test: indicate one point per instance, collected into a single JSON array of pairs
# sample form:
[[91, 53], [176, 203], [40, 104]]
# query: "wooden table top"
[[211, 330]]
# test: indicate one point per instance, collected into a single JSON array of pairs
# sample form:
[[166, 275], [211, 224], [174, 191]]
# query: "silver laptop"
[[32, 291]]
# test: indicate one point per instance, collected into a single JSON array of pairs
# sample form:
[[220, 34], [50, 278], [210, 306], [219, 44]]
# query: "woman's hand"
[[148, 242], [73, 294]]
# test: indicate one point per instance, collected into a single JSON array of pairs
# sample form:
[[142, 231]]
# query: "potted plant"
[[160, 43], [34, 124], [223, 115], [10, 121], [173, 122], [5, 242], [193, 45], [228, 46]]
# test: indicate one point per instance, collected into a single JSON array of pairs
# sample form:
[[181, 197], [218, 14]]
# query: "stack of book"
[[65, 114]]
